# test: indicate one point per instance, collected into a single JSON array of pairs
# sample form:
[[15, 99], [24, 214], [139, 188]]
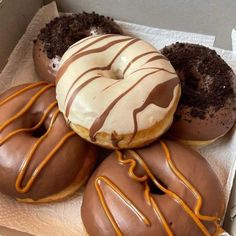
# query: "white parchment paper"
[[64, 218]]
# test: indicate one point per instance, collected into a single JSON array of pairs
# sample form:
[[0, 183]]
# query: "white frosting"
[[94, 98]]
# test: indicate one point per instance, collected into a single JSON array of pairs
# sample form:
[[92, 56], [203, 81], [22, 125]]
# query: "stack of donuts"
[[101, 91]]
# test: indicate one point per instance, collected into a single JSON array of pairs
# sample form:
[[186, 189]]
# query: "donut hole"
[[33, 120], [114, 74], [154, 189], [40, 131]]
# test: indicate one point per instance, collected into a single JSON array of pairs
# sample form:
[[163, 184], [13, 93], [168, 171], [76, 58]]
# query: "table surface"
[[213, 17]]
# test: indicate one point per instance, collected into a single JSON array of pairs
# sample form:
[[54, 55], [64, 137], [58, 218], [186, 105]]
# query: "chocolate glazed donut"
[[61, 33], [207, 107], [163, 189], [41, 158]]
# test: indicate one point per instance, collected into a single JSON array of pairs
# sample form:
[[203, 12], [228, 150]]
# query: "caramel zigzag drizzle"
[[187, 184], [173, 195], [122, 196], [147, 194]]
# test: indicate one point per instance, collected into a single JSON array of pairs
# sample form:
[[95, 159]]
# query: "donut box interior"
[[16, 15]]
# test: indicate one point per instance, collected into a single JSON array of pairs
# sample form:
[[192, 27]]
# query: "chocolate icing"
[[46, 68], [37, 162], [207, 106], [119, 199], [59, 34]]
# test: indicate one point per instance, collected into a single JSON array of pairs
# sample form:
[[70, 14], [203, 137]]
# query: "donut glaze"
[[59, 34], [40, 156], [207, 108], [163, 189], [117, 91]]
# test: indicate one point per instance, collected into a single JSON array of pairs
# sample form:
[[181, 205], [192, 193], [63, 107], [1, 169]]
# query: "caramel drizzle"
[[26, 107], [29, 157], [10, 135], [39, 168], [194, 191], [150, 200], [123, 197], [173, 195], [31, 86], [195, 215]]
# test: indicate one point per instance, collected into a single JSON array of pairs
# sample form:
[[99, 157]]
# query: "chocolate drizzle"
[[157, 57], [98, 123], [108, 67], [82, 53], [156, 97], [123, 54], [137, 58]]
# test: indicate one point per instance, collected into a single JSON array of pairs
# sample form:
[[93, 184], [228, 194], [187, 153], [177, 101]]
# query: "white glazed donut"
[[117, 91]]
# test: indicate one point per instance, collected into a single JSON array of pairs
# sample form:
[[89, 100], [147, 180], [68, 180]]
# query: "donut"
[[163, 189], [207, 107], [41, 158], [117, 91], [58, 35]]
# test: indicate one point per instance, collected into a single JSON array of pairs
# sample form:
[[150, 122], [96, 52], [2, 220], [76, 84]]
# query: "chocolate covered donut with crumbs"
[[207, 108], [61, 33]]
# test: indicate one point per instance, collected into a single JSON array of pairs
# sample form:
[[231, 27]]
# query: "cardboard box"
[[211, 17]]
